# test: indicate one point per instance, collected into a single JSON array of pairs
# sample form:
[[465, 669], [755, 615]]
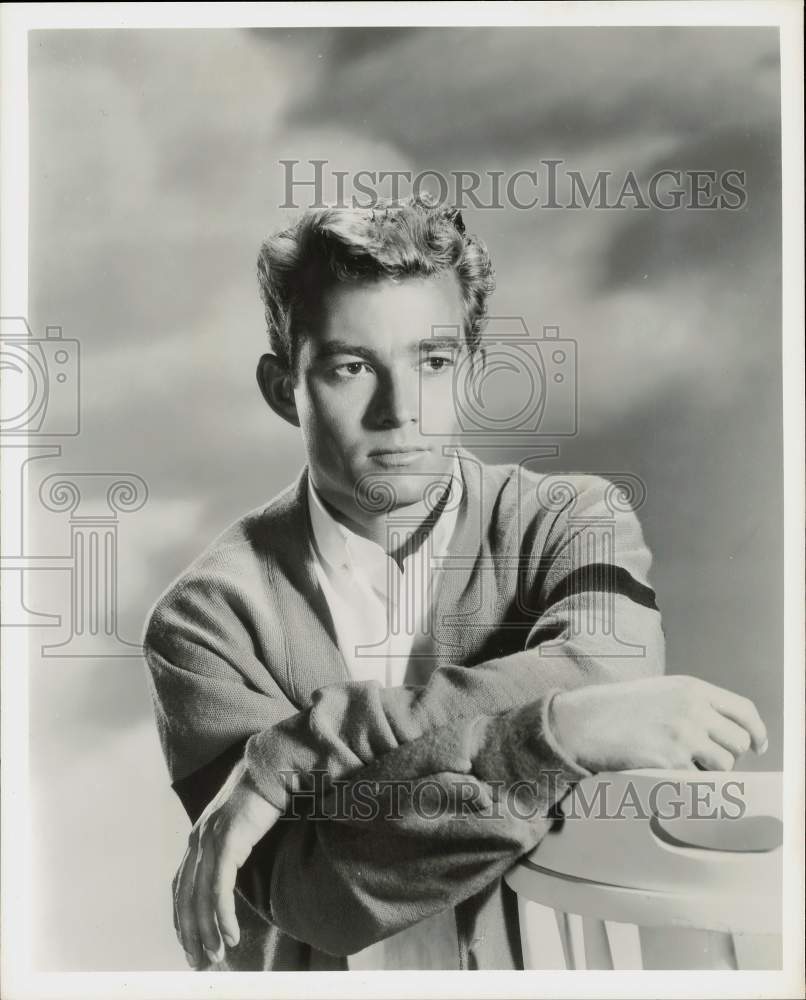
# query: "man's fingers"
[[234, 846], [204, 903], [224, 896], [221, 841], [713, 757], [184, 910], [729, 734], [744, 713]]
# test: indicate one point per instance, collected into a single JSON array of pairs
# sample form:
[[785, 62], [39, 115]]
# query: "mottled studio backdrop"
[[154, 177]]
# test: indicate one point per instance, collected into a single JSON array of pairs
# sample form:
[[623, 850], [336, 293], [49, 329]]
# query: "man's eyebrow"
[[330, 348], [440, 343]]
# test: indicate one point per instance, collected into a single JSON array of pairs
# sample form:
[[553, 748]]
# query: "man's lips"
[[396, 451], [397, 456]]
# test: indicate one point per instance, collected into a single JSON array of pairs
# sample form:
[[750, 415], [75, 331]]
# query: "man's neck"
[[397, 529]]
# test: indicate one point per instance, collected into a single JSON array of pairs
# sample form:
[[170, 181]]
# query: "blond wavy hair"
[[326, 246]]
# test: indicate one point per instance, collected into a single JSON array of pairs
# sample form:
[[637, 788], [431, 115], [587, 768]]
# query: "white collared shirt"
[[383, 616]]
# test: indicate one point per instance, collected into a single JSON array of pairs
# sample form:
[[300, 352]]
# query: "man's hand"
[[204, 887], [665, 722]]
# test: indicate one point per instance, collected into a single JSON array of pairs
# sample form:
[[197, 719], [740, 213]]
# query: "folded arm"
[[372, 850], [381, 851]]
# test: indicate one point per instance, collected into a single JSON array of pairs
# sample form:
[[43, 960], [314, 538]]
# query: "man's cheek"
[[438, 413], [340, 407], [450, 415], [326, 414], [338, 443]]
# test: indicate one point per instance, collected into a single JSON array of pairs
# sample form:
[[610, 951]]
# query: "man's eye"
[[438, 363], [350, 370]]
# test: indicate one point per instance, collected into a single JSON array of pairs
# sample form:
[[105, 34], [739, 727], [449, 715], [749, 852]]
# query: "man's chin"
[[394, 489]]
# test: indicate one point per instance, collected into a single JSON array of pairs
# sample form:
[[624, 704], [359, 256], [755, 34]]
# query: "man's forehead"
[[401, 314]]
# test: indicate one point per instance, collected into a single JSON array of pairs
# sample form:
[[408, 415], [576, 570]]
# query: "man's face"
[[365, 379]]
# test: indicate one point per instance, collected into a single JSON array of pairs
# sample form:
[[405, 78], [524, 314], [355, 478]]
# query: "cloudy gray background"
[[155, 176]]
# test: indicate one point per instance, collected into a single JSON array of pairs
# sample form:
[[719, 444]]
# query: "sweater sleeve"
[[594, 620], [210, 690], [395, 852], [399, 842]]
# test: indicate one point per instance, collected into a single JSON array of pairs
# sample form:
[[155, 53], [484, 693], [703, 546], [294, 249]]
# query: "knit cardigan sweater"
[[544, 588]]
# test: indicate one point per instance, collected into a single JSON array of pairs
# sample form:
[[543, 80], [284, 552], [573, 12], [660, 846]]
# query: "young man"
[[405, 617]]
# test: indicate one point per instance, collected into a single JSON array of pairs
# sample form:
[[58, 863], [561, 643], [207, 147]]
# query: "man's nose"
[[397, 400]]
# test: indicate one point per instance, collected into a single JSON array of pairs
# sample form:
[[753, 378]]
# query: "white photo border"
[[18, 977]]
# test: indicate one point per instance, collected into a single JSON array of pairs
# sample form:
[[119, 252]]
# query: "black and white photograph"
[[403, 524]]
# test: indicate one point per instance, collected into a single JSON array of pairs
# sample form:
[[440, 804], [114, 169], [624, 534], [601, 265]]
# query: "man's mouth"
[[398, 456]]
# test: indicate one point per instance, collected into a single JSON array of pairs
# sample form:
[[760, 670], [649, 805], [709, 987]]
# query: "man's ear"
[[277, 387]]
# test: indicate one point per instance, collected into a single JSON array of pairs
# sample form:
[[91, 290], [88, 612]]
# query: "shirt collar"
[[345, 550]]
